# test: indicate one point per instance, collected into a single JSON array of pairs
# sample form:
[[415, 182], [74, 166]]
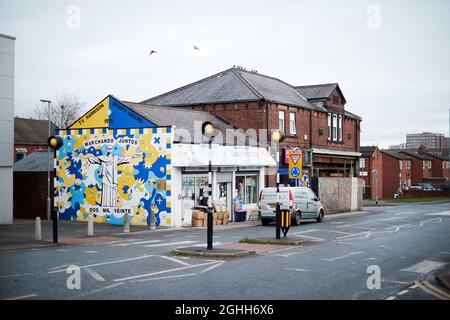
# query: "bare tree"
[[63, 111]]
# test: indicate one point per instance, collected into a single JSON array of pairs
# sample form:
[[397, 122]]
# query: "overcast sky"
[[390, 58]]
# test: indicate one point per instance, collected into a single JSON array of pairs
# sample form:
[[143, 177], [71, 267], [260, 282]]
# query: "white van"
[[302, 202]]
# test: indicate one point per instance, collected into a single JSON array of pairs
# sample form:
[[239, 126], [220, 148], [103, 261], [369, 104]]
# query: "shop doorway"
[[224, 194]]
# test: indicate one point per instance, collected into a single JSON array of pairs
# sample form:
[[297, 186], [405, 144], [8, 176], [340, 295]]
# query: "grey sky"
[[396, 77]]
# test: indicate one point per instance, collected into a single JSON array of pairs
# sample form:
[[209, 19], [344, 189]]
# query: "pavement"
[[390, 253]]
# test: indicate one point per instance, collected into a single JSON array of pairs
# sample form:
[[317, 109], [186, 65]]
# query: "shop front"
[[238, 175]]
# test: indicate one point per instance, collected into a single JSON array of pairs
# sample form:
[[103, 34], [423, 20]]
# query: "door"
[[224, 195]]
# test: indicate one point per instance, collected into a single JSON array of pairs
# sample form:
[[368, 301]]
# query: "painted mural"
[[111, 172]]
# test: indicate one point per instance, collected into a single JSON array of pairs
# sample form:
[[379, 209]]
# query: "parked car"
[[301, 201]]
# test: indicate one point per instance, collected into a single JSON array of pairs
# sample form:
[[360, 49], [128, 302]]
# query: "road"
[[405, 243]]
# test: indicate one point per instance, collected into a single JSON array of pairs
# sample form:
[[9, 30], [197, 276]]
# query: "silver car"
[[301, 201]]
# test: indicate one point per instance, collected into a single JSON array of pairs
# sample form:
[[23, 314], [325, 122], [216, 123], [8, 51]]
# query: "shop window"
[[195, 191], [247, 189]]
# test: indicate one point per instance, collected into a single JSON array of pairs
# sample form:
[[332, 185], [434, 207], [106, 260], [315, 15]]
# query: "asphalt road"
[[404, 243]]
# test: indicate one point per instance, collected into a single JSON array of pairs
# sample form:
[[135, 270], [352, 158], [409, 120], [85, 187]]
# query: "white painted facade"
[[7, 44]]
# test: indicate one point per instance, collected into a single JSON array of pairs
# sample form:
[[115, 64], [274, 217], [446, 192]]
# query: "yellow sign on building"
[[295, 164]]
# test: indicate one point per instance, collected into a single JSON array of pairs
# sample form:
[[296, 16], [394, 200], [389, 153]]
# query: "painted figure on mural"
[[109, 164]]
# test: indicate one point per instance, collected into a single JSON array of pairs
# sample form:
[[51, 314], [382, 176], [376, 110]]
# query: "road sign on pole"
[[295, 164]]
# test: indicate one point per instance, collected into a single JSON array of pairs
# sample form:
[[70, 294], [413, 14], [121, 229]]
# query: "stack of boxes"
[[200, 218]]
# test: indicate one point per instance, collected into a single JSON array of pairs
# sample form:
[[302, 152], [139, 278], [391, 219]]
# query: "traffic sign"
[[295, 164]]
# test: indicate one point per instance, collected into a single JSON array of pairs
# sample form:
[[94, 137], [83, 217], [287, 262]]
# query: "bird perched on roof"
[[196, 48], [152, 52]]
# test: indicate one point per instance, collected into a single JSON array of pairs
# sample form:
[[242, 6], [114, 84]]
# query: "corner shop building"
[[123, 157]]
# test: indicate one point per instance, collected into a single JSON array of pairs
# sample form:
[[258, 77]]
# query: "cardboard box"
[[197, 214], [197, 223]]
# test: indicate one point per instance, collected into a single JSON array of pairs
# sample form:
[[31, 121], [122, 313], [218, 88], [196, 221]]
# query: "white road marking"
[[106, 263], [130, 243], [444, 252], [16, 275], [368, 259], [296, 269], [402, 292], [91, 251], [94, 274], [414, 286], [306, 231], [23, 297], [430, 221], [344, 256], [424, 267], [62, 250], [442, 213], [284, 249], [341, 232], [397, 228], [212, 267], [164, 271], [396, 282], [391, 298], [100, 289], [356, 227], [175, 260], [354, 235], [169, 244], [308, 237], [167, 277]]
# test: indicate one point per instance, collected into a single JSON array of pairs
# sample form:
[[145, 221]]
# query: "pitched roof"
[[31, 131], [316, 91], [441, 154], [367, 151], [415, 154], [182, 119], [234, 85], [34, 162], [396, 155]]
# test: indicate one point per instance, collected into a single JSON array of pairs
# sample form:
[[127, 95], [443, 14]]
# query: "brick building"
[[369, 168], [397, 171], [314, 118], [440, 164], [421, 165], [30, 135]]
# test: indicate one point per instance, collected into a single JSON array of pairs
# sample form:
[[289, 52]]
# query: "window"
[[329, 126], [247, 189], [281, 121], [400, 164], [340, 128], [362, 163], [334, 127], [292, 126], [335, 100]]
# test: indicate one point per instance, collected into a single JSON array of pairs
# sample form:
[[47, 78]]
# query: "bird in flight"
[[152, 52], [196, 48]]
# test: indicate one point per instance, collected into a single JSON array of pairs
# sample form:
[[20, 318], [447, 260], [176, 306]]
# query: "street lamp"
[[55, 143], [48, 162], [278, 137], [209, 131]]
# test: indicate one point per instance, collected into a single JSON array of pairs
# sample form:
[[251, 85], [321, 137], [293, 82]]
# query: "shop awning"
[[195, 155]]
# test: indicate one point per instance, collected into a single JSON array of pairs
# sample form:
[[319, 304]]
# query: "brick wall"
[[390, 176]]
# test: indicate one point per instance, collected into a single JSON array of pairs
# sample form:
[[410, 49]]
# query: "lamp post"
[[375, 172], [48, 162], [54, 142], [278, 137], [208, 130]]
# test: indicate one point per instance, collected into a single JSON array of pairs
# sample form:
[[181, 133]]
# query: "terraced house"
[[314, 118]]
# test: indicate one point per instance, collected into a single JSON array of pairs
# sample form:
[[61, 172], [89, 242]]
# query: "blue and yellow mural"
[[109, 172]]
